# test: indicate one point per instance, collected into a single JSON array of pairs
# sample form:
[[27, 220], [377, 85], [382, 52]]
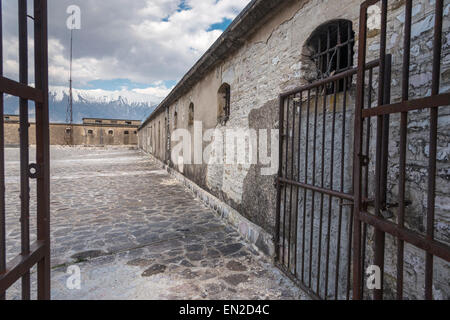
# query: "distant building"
[[93, 132]]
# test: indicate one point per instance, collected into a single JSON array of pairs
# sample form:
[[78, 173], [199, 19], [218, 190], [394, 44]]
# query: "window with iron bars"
[[332, 46]]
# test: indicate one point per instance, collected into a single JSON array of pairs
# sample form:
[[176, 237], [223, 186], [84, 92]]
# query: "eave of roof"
[[230, 41]]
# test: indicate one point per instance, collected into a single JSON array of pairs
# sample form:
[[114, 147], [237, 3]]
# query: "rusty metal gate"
[[335, 217], [37, 253]]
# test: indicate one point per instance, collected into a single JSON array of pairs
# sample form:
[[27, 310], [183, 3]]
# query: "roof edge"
[[229, 41]]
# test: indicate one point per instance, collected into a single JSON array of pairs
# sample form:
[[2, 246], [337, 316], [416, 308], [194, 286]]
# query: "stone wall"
[[271, 61]]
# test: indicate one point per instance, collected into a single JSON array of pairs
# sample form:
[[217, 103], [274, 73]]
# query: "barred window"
[[332, 48]]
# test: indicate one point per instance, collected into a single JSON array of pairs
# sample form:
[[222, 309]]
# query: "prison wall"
[[88, 134]]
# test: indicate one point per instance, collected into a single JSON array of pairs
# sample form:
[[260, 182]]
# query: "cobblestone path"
[[136, 233]]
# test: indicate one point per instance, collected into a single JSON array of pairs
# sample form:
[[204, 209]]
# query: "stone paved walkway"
[[135, 233]]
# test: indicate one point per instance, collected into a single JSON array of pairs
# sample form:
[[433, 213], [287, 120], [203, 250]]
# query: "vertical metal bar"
[[42, 146], [366, 178], [431, 197], [292, 178], [338, 248], [349, 46], [2, 166], [311, 236], [357, 149], [306, 181], [280, 169], [286, 139], [402, 147], [24, 141], [330, 199], [380, 235], [322, 183], [320, 59], [299, 175], [338, 48]]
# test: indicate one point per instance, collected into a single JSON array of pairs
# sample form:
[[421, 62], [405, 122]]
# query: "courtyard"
[[134, 232]]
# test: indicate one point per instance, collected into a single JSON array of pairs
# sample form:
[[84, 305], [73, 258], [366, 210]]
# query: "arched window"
[[224, 103], [331, 47], [191, 114]]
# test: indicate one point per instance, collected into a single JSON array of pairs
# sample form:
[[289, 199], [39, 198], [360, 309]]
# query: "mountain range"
[[127, 105]]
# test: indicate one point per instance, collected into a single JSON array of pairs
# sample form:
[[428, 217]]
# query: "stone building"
[[92, 132], [273, 47]]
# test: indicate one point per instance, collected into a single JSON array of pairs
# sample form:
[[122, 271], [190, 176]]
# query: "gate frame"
[[383, 110], [358, 197], [38, 252]]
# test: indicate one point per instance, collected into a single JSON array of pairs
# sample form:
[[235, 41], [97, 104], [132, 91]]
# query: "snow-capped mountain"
[[124, 104]]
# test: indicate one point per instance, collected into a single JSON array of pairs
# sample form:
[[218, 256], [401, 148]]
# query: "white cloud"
[[145, 41]]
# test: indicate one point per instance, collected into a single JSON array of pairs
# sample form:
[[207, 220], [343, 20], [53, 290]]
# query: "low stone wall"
[[252, 233]]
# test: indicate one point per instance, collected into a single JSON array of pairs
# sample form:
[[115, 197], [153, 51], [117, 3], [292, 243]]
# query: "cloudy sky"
[[142, 46]]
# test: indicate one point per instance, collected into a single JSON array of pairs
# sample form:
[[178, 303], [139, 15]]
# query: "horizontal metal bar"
[[17, 89], [410, 105], [329, 192], [21, 265], [328, 80], [434, 247]]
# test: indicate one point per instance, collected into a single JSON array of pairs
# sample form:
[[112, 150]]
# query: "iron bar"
[[330, 199], [343, 75], [434, 247], [306, 182], [322, 183], [366, 178], [42, 147], [338, 249], [298, 179], [17, 89], [280, 156], [431, 197], [311, 238], [379, 235], [433, 101], [292, 178], [286, 139], [402, 146], [24, 146], [332, 193]]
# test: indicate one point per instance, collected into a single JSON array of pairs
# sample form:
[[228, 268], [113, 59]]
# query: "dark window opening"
[[128, 122], [224, 101], [332, 48], [135, 132], [175, 120], [6, 118], [90, 132], [191, 114], [126, 132], [68, 130], [98, 121], [110, 132]]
